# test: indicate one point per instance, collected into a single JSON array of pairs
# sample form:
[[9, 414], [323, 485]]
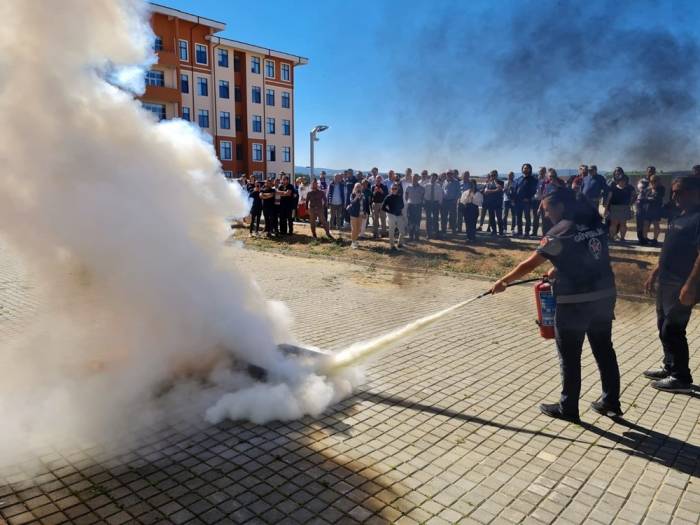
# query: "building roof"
[[298, 60], [165, 10], [220, 26]]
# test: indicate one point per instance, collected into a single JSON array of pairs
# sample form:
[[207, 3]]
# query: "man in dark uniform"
[[584, 288], [678, 276], [267, 195], [286, 222]]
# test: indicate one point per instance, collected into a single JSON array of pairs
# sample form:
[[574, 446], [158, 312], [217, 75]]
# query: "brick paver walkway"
[[445, 430]]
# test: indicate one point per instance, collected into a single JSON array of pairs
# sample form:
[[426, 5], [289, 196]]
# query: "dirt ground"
[[488, 257]]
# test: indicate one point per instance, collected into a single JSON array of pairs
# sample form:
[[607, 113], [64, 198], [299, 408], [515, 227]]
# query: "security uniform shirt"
[[680, 249], [580, 255], [268, 204]]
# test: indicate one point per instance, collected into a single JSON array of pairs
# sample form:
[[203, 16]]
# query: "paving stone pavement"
[[445, 430]]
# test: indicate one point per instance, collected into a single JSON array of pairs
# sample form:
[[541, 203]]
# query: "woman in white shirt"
[[471, 199]]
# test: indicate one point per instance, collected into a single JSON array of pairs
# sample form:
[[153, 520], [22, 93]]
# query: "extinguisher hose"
[[514, 283]]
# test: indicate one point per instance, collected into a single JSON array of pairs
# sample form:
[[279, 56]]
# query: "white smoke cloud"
[[121, 221]]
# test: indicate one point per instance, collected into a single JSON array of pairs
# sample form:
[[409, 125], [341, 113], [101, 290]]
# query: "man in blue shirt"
[[523, 193], [594, 187], [452, 194]]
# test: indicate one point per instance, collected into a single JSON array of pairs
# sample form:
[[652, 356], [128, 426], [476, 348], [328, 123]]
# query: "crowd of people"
[[403, 207]]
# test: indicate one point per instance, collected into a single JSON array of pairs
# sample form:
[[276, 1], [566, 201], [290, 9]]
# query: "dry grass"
[[489, 257]]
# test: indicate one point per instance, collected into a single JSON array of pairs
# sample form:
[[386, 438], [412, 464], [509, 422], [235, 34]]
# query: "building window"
[[202, 87], [225, 150], [200, 53], [186, 113], [236, 63], [225, 119], [257, 124], [223, 57], [286, 154], [271, 153], [270, 97], [228, 174], [271, 125], [269, 68], [286, 127], [285, 72], [183, 50], [254, 65], [157, 109], [239, 123], [257, 152], [285, 99], [158, 44], [239, 151], [203, 118], [237, 93], [185, 83], [155, 78], [271, 175], [257, 95], [223, 88]]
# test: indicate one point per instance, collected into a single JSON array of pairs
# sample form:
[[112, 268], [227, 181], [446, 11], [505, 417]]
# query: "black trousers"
[[286, 220], [255, 214], [496, 219], [640, 217], [522, 209], [534, 210], [471, 214], [449, 210], [672, 319], [509, 206], [572, 323], [270, 215], [432, 209], [413, 215]]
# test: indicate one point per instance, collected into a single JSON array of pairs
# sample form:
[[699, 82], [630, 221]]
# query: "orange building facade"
[[240, 94]]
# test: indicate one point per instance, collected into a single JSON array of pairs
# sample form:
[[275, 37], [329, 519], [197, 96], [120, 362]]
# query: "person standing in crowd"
[[642, 204], [393, 207], [413, 198], [463, 186], [315, 204], [471, 200], [619, 203], [509, 201], [349, 181], [537, 198], [255, 210], [584, 288], [553, 183], [677, 277], [594, 187], [379, 193], [336, 200], [323, 186], [449, 202], [524, 191], [424, 178], [366, 204], [301, 209], [493, 203], [372, 177], [432, 202], [354, 209], [267, 196], [655, 208], [286, 207]]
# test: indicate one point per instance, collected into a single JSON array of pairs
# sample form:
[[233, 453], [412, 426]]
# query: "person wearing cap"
[[583, 284], [677, 281]]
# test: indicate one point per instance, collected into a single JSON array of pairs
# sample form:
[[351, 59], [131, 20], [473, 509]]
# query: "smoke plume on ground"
[[120, 219]]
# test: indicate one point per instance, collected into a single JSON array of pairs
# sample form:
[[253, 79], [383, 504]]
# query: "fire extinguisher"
[[546, 306]]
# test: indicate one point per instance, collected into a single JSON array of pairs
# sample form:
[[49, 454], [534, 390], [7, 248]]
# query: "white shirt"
[[433, 192], [469, 197]]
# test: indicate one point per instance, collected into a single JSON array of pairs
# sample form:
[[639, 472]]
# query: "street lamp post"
[[313, 138]]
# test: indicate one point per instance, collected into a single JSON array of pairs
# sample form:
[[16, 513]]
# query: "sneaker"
[[656, 373], [554, 410], [671, 384], [354, 245], [606, 410]]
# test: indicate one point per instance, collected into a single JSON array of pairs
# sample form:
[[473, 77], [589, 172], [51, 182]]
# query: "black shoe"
[[656, 373], [606, 410], [670, 384], [554, 410]]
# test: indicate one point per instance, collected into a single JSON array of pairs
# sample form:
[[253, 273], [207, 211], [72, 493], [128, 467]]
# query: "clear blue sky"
[[483, 84]]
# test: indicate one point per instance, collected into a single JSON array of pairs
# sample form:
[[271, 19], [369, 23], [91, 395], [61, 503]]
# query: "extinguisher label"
[[549, 306]]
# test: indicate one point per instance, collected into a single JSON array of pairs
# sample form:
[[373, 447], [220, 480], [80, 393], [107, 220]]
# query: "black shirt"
[[580, 255], [268, 203], [680, 248], [619, 196], [393, 204], [287, 201], [379, 193], [257, 202]]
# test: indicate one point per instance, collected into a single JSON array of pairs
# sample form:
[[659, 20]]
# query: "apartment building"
[[241, 94]]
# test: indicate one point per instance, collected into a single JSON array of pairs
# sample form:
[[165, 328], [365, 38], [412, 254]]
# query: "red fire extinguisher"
[[546, 306]]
